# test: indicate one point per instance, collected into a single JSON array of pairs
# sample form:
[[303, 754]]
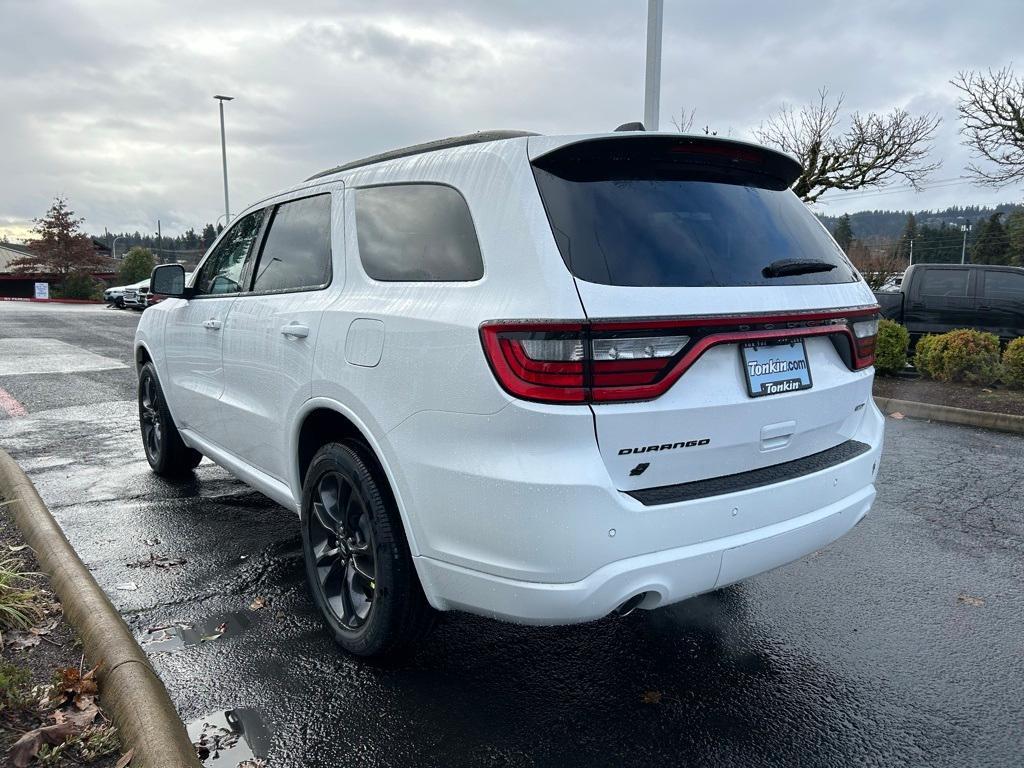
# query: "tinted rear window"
[[1004, 286], [944, 282], [662, 217], [416, 232]]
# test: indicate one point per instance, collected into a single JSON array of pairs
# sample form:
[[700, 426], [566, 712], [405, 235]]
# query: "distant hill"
[[871, 225]]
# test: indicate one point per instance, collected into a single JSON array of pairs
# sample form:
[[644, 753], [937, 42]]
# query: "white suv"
[[539, 378]]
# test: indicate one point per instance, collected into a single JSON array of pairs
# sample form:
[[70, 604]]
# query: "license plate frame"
[[779, 352]]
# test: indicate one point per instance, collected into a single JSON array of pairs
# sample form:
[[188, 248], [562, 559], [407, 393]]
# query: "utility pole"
[[965, 228], [652, 81], [159, 239], [911, 251], [224, 156]]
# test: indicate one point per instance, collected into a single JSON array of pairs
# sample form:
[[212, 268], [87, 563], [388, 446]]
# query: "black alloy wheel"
[[343, 549]]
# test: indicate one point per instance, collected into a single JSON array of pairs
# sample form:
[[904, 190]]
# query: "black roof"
[[480, 137]]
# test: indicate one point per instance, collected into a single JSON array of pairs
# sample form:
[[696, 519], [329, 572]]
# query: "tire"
[[358, 565], [166, 453], [119, 302]]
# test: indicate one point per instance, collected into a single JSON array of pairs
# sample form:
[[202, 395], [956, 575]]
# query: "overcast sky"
[[110, 103]]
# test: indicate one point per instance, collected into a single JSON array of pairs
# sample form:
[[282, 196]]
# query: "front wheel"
[[357, 560], [165, 450]]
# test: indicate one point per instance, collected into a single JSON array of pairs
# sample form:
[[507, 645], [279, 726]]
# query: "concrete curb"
[[132, 694], [1001, 422]]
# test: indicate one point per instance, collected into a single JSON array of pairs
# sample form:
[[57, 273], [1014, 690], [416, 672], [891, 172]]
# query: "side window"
[[1004, 286], [297, 250], [416, 232], [222, 271], [944, 282]]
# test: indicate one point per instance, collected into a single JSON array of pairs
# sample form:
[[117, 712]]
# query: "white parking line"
[[30, 355]]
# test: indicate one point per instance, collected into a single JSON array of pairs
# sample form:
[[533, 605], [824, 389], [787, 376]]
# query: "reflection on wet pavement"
[[230, 737], [175, 637]]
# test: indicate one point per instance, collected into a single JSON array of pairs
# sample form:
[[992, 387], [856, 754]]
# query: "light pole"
[[965, 228], [652, 80], [113, 248], [224, 156]]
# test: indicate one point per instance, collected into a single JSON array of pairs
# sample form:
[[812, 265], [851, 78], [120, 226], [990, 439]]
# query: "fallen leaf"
[[258, 604], [897, 415], [127, 586], [46, 629], [126, 758], [651, 697], [977, 602], [81, 718], [27, 747], [19, 640], [986, 389]]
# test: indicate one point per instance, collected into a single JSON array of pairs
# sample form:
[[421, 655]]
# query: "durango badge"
[[665, 446]]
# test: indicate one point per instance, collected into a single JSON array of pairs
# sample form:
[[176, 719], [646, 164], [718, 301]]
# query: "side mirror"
[[168, 280]]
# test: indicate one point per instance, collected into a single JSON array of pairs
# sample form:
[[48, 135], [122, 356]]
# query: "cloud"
[[110, 103]]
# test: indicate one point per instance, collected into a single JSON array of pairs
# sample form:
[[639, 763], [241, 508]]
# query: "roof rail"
[[480, 137]]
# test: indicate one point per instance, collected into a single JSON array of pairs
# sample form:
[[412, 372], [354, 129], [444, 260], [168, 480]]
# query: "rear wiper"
[[785, 267]]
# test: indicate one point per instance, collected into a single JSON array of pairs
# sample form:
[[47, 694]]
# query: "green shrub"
[[1013, 364], [80, 285], [926, 354], [891, 347], [961, 355]]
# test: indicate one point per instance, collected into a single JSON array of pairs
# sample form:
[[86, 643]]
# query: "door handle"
[[213, 324], [296, 330]]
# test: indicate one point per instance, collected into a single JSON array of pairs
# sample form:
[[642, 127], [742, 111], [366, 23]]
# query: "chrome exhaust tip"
[[630, 605]]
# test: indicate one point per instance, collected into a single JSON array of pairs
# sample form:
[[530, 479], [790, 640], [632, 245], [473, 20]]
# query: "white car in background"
[[115, 295], [538, 378]]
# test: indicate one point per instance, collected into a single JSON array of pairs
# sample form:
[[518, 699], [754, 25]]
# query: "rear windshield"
[[668, 217]]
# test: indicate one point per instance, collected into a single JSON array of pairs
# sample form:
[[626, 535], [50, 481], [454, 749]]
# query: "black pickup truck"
[[935, 298]]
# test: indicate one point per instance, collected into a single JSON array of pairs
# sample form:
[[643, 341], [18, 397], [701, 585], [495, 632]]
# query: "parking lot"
[[902, 644]]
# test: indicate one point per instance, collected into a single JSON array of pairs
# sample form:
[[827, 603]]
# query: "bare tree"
[[991, 110], [873, 151], [685, 120]]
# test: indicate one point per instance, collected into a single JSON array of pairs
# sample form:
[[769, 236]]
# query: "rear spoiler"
[[661, 156]]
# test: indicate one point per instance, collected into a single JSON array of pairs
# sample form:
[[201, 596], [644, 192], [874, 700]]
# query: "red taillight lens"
[[562, 363], [538, 362], [865, 333], [616, 361]]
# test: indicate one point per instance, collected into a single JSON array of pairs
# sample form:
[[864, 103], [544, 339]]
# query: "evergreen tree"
[[903, 248], [992, 244], [1015, 232], [844, 233], [209, 235]]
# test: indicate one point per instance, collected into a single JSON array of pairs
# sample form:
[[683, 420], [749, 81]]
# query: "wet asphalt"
[[902, 644]]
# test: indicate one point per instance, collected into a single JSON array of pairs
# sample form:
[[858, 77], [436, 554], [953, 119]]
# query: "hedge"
[[961, 355], [1013, 364]]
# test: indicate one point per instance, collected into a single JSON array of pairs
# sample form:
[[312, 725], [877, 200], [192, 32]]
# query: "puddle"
[[176, 637], [230, 737]]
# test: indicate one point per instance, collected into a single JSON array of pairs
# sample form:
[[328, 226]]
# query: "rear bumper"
[[540, 537], [664, 577]]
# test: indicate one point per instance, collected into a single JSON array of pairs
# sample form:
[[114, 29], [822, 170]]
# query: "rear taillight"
[[615, 361], [865, 332]]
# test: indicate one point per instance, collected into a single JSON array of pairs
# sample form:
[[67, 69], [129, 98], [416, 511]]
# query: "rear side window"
[[416, 232], [296, 253], [944, 282], [1004, 286], [222, 270], [662, 211]]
